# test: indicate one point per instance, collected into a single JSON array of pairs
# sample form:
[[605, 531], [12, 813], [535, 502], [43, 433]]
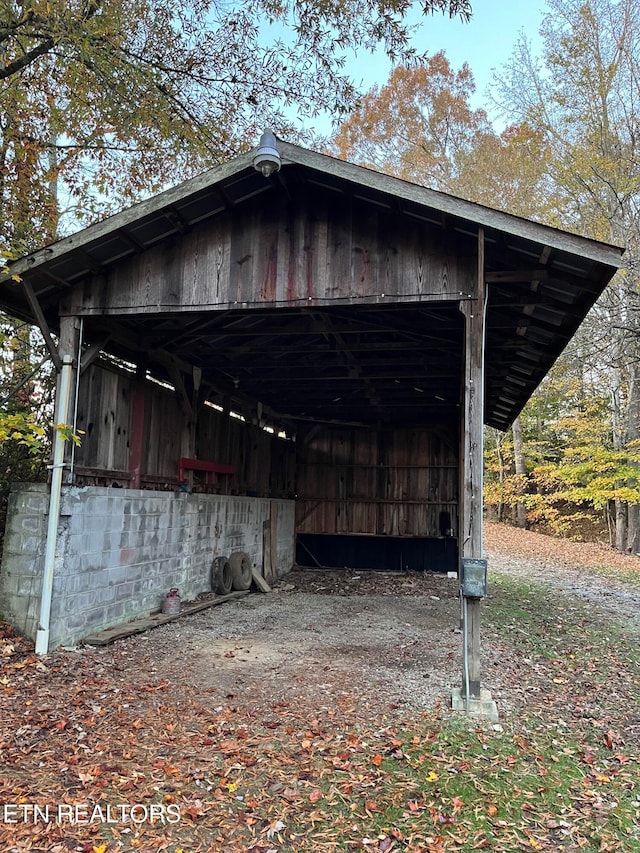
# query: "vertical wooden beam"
[[136, 429], [273, 533], [225, 444], [196, 380], [471, 459]]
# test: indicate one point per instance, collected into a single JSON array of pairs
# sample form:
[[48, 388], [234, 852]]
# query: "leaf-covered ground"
[[127, 749]]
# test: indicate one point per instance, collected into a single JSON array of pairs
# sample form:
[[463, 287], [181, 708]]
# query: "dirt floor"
[[383, 641], [328, 639]]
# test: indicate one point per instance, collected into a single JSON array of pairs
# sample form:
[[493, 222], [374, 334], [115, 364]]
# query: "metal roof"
[[349, 363]]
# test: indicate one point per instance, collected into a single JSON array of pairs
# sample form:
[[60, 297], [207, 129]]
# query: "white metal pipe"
[[62, 408], [75, 401]]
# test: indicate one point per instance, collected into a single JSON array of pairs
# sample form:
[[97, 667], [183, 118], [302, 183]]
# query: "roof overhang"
[[541, 283]]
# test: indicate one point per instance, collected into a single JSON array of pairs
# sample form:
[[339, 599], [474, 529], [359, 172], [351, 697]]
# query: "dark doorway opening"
[[389, 553]]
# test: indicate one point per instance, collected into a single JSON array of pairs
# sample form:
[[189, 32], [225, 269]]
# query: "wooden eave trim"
[[166, 199]]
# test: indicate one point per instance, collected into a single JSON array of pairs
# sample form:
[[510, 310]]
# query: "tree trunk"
[[633, 433], [500, 508], [618, 444], [521, 470]]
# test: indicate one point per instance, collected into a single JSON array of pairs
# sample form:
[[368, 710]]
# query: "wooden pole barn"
[[326, 340]]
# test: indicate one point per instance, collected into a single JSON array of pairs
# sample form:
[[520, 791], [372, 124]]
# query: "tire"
[[241, 570], [221, 576]]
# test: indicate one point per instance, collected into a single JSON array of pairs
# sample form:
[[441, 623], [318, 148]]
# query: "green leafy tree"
[[25, 409]]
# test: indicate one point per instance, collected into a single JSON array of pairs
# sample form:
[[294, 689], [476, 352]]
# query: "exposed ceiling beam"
[[42, 323]]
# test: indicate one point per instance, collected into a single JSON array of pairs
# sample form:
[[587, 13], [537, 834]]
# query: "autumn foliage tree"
[[417, 126], [106, 100], [421, 126]]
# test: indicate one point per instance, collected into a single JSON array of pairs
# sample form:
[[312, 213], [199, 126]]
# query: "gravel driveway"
[[387, 642]]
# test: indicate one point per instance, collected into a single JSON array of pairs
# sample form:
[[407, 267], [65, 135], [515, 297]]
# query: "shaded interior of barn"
[[357, 420]]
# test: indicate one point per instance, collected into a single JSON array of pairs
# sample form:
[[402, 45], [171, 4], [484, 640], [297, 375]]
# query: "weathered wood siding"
[[104, 416], [265, 464], [393, 482], [296, 251]]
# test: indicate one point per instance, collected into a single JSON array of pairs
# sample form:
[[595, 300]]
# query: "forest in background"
[[103, 103]]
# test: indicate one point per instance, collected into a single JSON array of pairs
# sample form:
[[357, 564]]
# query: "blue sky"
[[485, 43]]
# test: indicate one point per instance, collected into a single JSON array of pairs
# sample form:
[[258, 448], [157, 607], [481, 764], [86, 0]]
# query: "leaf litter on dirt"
[[124, 754]]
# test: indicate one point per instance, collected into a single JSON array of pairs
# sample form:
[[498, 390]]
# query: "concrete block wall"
[[23, 557], [119, 551]]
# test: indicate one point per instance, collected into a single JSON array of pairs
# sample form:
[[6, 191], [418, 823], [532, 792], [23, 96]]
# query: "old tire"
[[241, 570], [221, 576]]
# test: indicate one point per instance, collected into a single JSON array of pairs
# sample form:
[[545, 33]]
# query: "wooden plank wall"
[[162, 441], [104, 416], [265, 464], [391, 482], [313, 249]]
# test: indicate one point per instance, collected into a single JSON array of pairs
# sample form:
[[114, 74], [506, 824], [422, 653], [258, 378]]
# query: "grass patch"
[[571, 636], [444, 785]]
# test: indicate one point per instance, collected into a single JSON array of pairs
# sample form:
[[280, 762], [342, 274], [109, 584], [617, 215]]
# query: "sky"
[[485, 42]]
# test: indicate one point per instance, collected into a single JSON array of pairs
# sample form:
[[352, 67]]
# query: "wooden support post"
[[136, 429], [68, 344], [472, 461], [225, 443], [196, 380]]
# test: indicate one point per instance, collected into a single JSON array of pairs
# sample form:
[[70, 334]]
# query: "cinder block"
[[135, 572], [106, 595], [69, 627], [117, 575], [146, 585], [81, 582], [114, 613], [70, 500], [22, 564], [130, 556], [37, 505], [86, 600], [9, 583], [31, 524]]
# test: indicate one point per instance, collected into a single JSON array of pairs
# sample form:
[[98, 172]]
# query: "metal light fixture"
[[267, 159]]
